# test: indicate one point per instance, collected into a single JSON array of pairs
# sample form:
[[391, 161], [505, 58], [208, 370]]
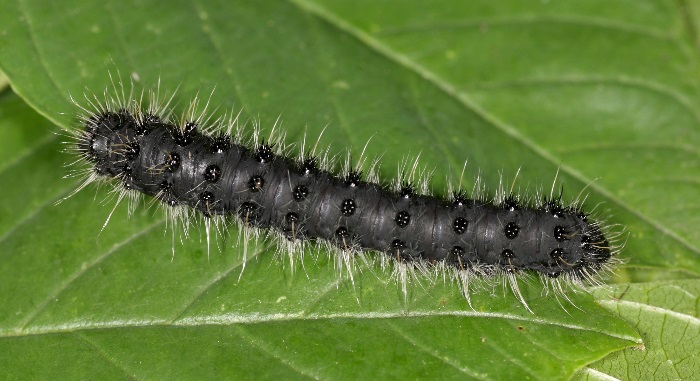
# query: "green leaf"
[[78, 303], [603, 93], [667, 314]]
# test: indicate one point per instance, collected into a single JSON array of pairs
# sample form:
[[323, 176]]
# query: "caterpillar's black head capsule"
[[108, 142]]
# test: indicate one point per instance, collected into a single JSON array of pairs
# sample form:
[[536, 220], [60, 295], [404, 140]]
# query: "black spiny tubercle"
[[188, 166]]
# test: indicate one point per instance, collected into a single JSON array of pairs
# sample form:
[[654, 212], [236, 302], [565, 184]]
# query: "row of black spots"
[[207, 204], [553, 266], [172, 163], [183, 136], [560, 233], [403, 219], [173, 160], [247, 210]]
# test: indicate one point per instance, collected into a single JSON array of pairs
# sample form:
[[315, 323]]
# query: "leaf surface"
[[603, 93], [667, 314]]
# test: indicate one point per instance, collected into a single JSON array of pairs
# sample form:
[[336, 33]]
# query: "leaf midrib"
[[258, 318]]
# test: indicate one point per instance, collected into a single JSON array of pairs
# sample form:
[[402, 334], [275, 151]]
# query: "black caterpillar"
[[186, 165]]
